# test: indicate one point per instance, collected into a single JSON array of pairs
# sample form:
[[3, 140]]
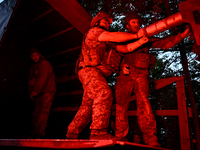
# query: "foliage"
[[149, 10]]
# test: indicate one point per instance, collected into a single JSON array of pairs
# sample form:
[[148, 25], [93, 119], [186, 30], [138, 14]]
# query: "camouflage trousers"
[[41, 113], [139, 84], [96, 103]]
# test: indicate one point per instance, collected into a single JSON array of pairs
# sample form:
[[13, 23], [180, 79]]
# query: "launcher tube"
[[164, 24]]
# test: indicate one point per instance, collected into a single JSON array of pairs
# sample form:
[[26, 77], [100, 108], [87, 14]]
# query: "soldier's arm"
[[132, 46], [119, 36], [170, 41]]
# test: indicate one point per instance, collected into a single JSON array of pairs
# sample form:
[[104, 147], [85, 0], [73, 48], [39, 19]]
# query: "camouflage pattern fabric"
[[93, 51], [139, 84], [96, 103], [40, 116]]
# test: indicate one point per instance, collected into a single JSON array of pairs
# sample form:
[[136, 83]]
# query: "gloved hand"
[[141, 33], [33, 94], [186, 33], [125, 69]]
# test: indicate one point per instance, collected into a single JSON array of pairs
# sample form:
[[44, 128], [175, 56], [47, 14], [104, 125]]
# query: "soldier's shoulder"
[[94, 33], [96, 30]]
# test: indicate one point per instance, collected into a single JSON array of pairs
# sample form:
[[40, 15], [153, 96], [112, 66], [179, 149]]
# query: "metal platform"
[[71, 144]]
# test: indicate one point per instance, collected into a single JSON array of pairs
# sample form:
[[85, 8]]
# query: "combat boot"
[[100, 135], [136, 139], [154, 144], [71, 136], [151, 140]]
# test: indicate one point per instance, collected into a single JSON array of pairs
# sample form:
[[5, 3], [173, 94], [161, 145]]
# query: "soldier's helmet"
[[99, 16], [130, 16]]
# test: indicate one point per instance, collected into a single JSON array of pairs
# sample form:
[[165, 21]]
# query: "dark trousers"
[[40, 115]]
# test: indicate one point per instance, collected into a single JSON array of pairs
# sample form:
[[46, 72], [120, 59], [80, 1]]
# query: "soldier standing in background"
[[42, 89]]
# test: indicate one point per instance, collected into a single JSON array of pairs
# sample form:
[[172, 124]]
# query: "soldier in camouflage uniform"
[[42, 88], [98, 60], [134, 77]]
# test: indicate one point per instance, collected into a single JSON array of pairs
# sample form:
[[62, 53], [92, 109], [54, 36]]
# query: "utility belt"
[[134, 71], [79, 68], [103, 69]]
